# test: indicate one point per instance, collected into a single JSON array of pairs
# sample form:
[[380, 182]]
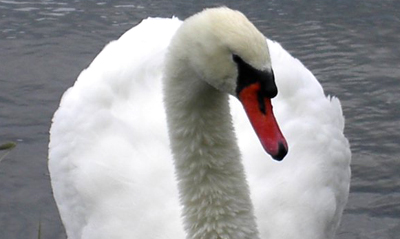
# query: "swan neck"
[[211, 180]]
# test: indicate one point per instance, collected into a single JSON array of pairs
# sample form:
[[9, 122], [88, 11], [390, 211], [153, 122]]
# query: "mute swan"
[[115, 167]]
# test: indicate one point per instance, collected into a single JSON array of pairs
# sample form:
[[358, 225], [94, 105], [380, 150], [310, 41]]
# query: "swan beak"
[[261, 116]]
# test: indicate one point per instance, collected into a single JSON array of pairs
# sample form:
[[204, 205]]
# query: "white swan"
[[111, 168]]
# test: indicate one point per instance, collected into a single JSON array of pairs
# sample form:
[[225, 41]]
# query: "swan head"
[[223, 48]]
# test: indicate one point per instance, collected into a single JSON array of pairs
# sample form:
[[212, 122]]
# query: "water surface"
[[351, 47]]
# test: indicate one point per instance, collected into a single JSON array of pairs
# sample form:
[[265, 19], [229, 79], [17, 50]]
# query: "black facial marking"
[[248, 75]]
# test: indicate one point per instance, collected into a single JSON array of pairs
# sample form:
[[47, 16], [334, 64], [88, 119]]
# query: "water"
[[351, 46]]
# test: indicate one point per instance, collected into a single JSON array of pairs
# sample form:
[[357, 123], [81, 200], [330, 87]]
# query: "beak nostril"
[[261, 103]]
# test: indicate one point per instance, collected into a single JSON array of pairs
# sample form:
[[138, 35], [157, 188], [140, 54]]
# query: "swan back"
[[101, 135]]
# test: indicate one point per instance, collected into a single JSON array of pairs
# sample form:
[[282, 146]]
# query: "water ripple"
[[351, 47]]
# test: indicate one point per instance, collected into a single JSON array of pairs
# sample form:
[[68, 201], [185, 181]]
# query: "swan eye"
[[236, 58]]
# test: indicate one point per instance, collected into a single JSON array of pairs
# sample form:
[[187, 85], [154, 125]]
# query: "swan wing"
[[106, 181]]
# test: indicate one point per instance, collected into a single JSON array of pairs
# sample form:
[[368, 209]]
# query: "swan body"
[[129, 159]]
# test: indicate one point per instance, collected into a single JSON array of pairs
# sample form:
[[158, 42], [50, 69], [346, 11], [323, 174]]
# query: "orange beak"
[[261, 116]]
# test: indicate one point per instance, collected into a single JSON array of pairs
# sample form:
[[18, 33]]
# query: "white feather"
[[112, 171]]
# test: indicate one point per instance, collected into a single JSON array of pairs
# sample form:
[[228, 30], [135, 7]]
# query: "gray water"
[[351, 46]]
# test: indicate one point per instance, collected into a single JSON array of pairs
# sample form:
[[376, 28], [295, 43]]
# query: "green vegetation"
[[7, 147]]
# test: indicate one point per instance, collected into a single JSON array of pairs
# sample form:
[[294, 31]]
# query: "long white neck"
[[212, 184]]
